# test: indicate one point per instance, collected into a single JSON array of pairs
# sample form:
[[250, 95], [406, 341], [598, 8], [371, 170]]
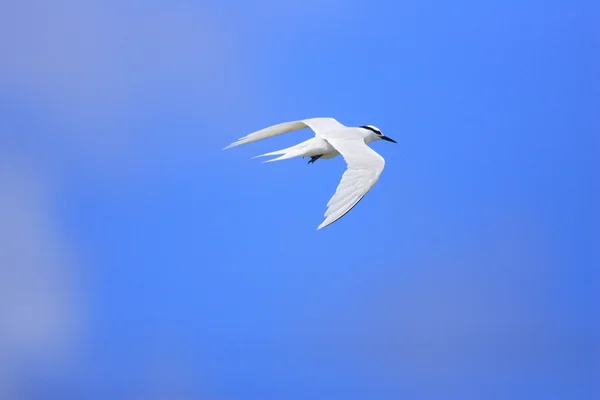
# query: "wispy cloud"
[[91, 73], [39, 295], [75, 77], [80, 84], [95, 56]]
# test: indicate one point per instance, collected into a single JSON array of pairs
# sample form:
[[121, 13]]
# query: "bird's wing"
[[364, 168], [318, 125]]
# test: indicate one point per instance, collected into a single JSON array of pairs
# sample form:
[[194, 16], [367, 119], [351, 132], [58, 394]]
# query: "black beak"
[[388, 139]]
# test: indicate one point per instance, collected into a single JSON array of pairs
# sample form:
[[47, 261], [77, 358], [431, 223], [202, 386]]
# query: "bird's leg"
[[315, 158]]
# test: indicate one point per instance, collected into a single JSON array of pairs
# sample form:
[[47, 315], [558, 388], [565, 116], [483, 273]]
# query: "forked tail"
[[290, 152]]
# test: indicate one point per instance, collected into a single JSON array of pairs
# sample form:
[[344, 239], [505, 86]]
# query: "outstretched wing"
[[364, 168], [318, 125]]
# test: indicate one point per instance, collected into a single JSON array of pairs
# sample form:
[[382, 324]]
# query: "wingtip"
[[235, 144]]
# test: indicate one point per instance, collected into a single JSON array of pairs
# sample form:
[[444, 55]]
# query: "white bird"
[[364, 165]]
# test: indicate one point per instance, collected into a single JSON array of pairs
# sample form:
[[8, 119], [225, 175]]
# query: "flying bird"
[[364, 165]]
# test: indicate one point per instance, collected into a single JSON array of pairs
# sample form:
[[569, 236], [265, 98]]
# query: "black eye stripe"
[[371, 129]]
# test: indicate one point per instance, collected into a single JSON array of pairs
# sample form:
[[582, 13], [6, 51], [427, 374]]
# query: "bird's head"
[[375, 134]]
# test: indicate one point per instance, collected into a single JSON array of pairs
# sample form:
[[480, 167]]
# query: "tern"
[[364, 165]]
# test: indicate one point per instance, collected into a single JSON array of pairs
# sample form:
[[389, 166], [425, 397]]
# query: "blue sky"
[[139, 259]]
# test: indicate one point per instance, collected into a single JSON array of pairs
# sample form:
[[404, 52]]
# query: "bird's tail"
[[284, 154]]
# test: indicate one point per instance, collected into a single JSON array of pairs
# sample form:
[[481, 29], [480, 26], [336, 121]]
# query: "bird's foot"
[[315, 158]]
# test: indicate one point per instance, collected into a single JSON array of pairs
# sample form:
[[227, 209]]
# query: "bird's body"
[[332, 139], [312, 147]]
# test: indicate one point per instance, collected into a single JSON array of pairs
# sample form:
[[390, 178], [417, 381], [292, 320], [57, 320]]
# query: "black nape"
[[371, 129]]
